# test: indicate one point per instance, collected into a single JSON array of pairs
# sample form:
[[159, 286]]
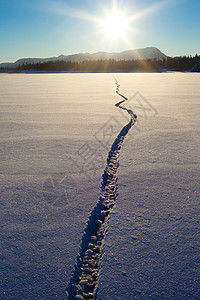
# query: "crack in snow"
[[84, 282]]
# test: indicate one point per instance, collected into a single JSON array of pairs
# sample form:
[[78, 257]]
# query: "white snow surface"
[[65, 124]]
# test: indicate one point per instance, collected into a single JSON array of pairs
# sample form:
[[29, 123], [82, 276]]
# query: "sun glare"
[[115, 25]]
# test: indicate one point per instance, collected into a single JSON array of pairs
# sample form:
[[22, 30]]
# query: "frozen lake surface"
[[56, 131]]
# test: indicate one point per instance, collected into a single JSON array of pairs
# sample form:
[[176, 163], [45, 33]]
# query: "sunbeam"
[[115, 22]]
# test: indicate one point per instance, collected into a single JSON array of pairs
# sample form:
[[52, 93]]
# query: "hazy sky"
[[44, 28]]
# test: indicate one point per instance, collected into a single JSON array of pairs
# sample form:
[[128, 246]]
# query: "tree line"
[[182, 63]]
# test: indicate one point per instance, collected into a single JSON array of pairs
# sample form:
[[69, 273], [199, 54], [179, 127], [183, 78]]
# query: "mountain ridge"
[[142, 53]]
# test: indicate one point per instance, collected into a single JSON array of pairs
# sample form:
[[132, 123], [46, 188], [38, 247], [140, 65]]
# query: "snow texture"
[[84, 282], [56, 131]]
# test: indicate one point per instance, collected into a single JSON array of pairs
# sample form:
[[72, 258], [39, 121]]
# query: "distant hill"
[[144, 53]]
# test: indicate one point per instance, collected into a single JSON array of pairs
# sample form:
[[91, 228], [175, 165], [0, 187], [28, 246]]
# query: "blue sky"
[[45, 28]]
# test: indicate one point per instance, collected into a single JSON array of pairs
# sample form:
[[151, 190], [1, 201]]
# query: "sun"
[[115, 25]]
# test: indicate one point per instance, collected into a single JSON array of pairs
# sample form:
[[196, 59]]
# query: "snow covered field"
[[56, 131]]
